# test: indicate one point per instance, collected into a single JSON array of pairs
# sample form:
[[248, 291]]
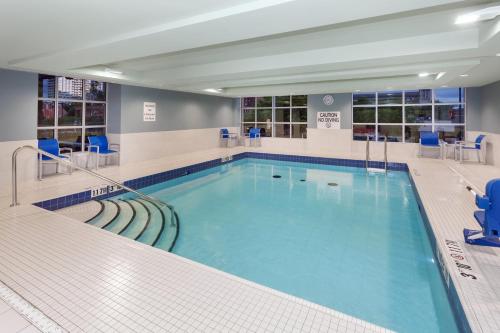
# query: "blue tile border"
[[138, 183], [456, 305]]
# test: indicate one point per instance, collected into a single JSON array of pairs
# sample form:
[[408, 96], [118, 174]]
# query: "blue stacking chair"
[[99, 146], [226, 137], [488, 218], [430, 140], [51, 146], [478, 145], [254, 136]]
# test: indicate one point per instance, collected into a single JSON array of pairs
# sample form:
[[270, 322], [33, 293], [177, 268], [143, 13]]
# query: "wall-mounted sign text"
[[328, 120], [149, 113]]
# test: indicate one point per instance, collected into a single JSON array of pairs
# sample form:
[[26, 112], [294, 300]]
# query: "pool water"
[[359, 247]]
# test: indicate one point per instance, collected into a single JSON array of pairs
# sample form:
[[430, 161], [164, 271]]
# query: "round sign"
[[328, 99]]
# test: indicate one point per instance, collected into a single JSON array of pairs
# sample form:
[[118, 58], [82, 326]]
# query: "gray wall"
[[174, 110], [18, 105], [473, 112], [490, 108], [341, 102]]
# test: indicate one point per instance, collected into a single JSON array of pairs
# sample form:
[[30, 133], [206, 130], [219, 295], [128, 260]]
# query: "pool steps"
[[137, 219]]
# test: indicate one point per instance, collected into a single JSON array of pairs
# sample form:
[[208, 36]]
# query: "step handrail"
[[367, 152], [75, 166], [385, 153]]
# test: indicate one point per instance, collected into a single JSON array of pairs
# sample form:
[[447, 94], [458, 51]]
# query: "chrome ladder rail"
[[385, 154], [146, 197], [367, 152]]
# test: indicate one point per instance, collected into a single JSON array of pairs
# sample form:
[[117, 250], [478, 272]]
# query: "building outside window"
[[70, 110], [403, 115], [278, 116]]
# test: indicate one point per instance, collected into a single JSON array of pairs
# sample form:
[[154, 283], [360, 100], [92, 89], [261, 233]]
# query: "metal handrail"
[[75, 166], [367, 151], [385, 153]]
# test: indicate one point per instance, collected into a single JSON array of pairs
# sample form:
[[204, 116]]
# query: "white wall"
[[151, 145]]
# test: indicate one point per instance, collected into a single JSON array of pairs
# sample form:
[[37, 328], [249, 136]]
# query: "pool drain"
[[302, 180], [276, 176], [333, 184]]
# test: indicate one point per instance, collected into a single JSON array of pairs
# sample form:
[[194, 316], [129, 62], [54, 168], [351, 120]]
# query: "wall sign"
[[328, 120], [103, 189], [149, 113], [328, 100]]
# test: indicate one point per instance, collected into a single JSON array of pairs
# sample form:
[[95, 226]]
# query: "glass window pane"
[[95, 114], [422, 96], [390, 114], [418, 114], [363, 115], [449, 95], [363, 99], [46, 86], [282, 115], [69, 113], [449, 114], [299, 100], [264, 102], [94, 132], [69, 88], [299, 131], [45, 134], [249, 102], [46, 113], [282, 130], [95, 90], [266, 129], [394, 133], [71, 138], [299, 115], [360, 132], [450, 134], [245, 128], [248, 115], [264, 115], [282, 101], [412, 133], [390, 97]]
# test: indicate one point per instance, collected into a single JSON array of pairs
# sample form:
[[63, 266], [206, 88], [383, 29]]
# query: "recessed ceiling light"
[[479, 15], [112, 71], [357, 90], [445, 86], [212, 90], [423, 74], [464, 75], [440, 75], [498, 54]]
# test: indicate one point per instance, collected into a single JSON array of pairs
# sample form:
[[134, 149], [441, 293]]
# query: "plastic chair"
[[226, 138], [479, 146], [430, 140], [254, 136], [51, 146], [99, 146], [488, 218]]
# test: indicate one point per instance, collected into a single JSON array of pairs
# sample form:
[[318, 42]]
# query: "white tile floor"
[[87, 279]]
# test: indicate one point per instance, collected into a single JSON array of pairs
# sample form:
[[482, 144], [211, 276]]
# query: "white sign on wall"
[[149, 113], [328, 120]]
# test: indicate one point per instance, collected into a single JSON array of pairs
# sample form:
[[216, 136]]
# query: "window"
[[279, 116], [70, 110], [402, 115]]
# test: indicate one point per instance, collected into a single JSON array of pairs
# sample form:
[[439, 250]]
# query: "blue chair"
[[479, 146], [430, 140], [51, 146], [99, 146], [227, 137], [488, 218], [254, 136]]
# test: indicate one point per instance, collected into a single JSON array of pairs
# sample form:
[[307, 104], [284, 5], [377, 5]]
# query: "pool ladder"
[[368, 154]]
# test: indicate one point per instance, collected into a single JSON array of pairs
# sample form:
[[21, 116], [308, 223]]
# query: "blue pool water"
[[359, 247]]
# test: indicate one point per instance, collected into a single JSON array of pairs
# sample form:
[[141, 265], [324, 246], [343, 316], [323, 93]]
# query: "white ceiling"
[[260, 47]]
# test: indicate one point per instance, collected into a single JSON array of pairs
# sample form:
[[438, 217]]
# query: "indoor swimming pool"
[[333, 235]]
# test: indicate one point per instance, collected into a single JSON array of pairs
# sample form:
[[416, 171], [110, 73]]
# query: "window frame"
[[434, 124], [83, 101]]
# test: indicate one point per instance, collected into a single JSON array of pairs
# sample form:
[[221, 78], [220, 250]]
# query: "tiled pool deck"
[[87, 279]]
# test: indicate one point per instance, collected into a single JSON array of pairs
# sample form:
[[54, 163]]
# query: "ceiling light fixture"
[[498, 54], [212, 90], [424, 74], [357, 90], [479, 15], [112, 71], [445, 86], [440, 75], [464, 75]]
